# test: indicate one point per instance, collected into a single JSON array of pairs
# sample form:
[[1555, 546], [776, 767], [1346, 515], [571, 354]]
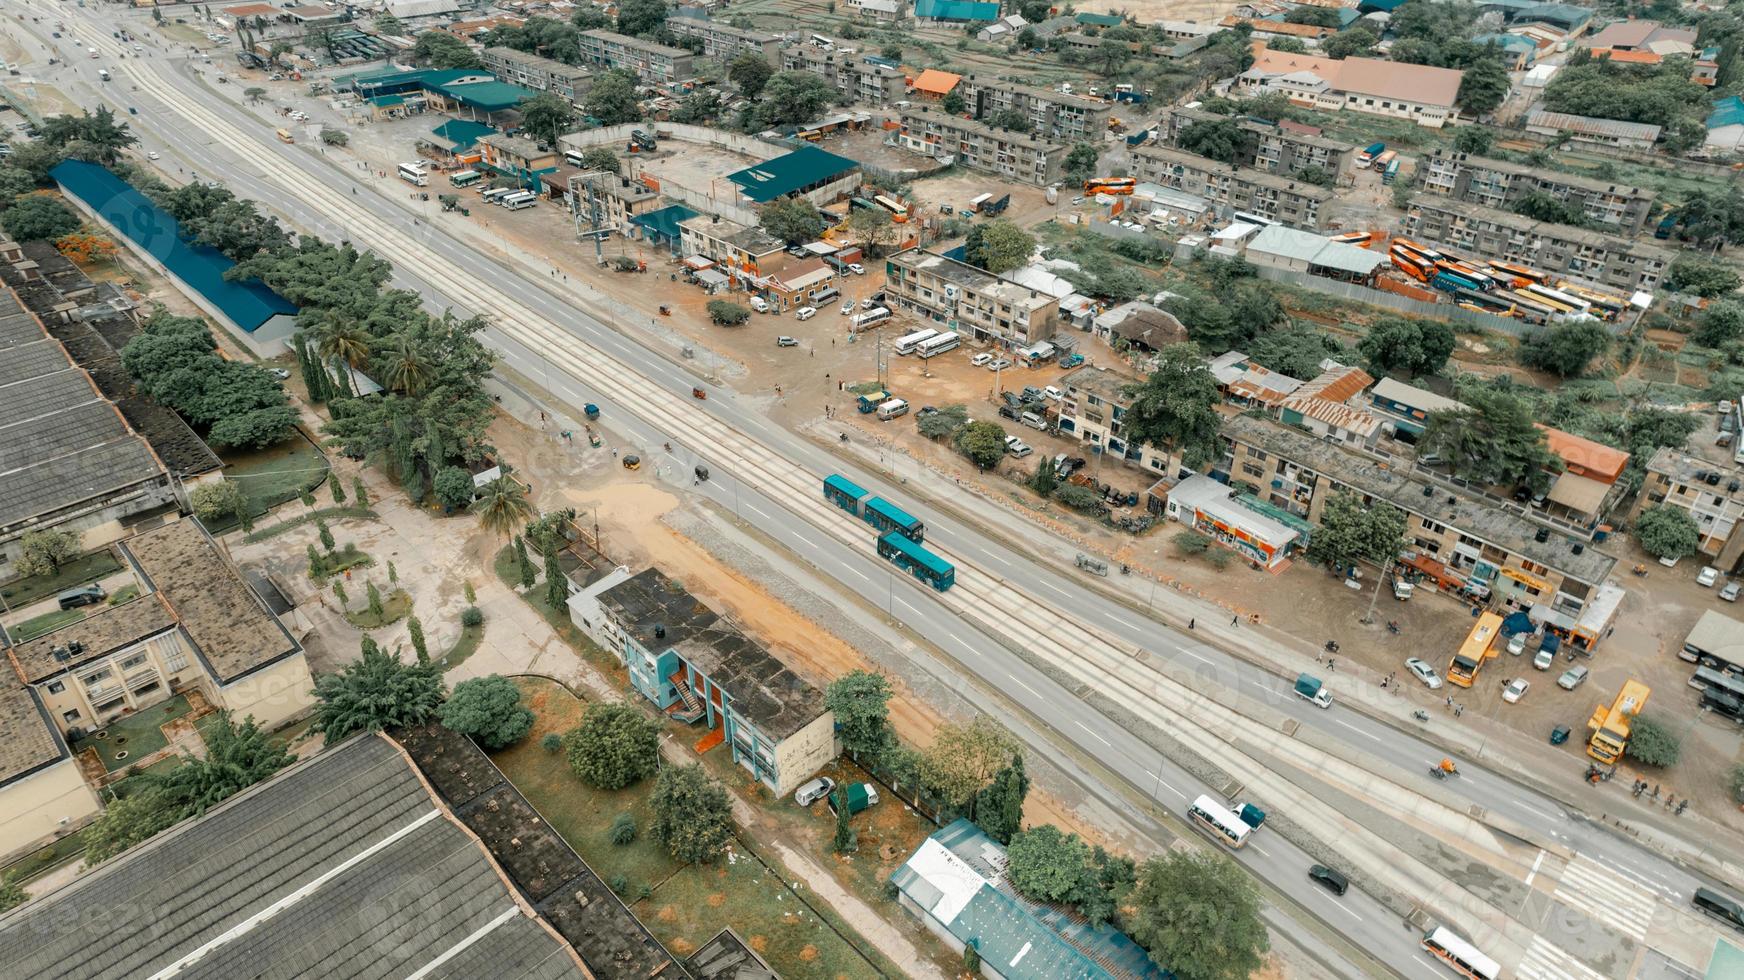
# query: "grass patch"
[[273, 475], [338, 562], [44, 859], [685, 902], [48, 622], [85, 568], [557, 617], [126, 593], [395, 606], [138, 735], [328, 513], [464, 647], [137, 781]]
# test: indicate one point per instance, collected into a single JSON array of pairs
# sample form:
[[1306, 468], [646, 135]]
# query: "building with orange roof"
[[934, 85], [1591, 479], [1420, 93], [1279, 28]]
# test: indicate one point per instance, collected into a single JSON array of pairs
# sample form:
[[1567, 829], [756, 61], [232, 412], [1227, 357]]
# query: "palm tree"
[[338, 340], [502, 506], [405, 367]]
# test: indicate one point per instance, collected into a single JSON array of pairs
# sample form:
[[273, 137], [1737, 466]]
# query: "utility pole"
[[593, 230]]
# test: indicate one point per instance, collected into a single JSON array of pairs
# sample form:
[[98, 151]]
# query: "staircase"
[[687, 708]]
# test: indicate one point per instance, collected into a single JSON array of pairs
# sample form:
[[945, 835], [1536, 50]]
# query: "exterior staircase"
[[688, 708]]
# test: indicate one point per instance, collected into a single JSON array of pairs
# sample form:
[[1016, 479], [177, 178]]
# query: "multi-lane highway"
[[1006, 600]]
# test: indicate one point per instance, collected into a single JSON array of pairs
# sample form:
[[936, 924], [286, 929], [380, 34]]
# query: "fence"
[[908, 791], [1357, 293]]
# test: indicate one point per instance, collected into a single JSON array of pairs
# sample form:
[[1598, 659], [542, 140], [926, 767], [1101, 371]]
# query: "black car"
[[86, 595], [1333, 880], [1007, 412]]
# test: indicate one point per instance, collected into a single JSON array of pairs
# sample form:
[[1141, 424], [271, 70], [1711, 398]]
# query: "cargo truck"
[[1309, 689]]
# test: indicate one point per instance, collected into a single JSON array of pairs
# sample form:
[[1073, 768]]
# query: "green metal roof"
[[783, 175], [383, 101], [665, 220], [1100, 20], [1729, 111], [955, 10], [486, 96], [461, 134]]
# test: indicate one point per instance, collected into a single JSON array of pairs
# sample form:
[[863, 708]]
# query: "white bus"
[[1462, 956], [1556, 296], [891, 409], [906, 345], [870, 318], [495, 195], [573, 158], [519, 200], [413, 173], [938, 345], [1223, 823]]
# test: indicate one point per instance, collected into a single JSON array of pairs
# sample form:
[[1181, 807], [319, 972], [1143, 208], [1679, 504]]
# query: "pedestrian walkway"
[[1608, 895], [1546, 961]]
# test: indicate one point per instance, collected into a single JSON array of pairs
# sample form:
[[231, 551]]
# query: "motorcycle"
[[1420, 715], [1393, 626]]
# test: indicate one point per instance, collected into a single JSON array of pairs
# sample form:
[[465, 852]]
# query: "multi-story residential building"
[[724, 42], [1476, 546], [618, 198], [729, 244], [516, 157], [1093, 411], [1051, 115], [1420, 93], [1500, 184], [973, 302], [539, 73], [1292, 202], [697, 666], [888, 11], [652, 63], [866, 79], [1563, 249], [979, 146], [1712, 493], [1284, 148]]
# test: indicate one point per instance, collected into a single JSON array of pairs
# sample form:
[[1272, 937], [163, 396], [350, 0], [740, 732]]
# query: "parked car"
[[1670, 562], [856, 268], [1017, 447], [1544, 659], [981, 359], [152, 155], [1007, 412], [1515, 690], [1031, 393], [814, 791], [85, 595], [1333, 880], [1054, 393], [1517, 644], [785, 341], [1707, 577], [805, 312], [1730, 592], [1034, 421], [1421, 670], [1572, 678], [998, 364], [848, 308], [859, 796], [280, 373]]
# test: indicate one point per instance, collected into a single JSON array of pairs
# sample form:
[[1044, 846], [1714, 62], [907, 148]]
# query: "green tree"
[[1652, 742], [971, 958], [1110, 56], [1080, 162], [873, 228], [359, 492], [944, 423], [415, 633], [726, 314], [556, 586], [1485, 85], [488, 709], [1566, 349], [793, 97], [964, 758], [94, 136], [336, 489], [373, 692], [442, 50], [13, 183], [982, 442], [860, 702], [641, 18], [1045, 479], [1473, 139], [254, 94], [237, 757], [1313, 17], [524, 565], [999, 808], [547, 116], [600, 158], [1704, 278], [1735, 783], [693, 816], [998, 246], [453, 488], [1664, 531], [794, 220], [750, 72], [374, 599], [1199, 915], [325, 533], [1352, 42], [623, 829], [502, 506], [1410, 347], [1175, 408], [615, 746], [1721, 323], [12, 893], [44, 551], [612, 99], [1221, 138], [1047, 865], [1010, 119], [1494, 440], [388, 24], [954, 103], [37, 217], [127, 821], [1540, 206], [845, 838], [1296, 350], [1350, 532]]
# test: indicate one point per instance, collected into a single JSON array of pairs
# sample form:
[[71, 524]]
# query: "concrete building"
[[1407, 409], [652, 63], [885, 11], [696, 666], [1093, 410], [865, 79], [1420, 93], [1591, 481], [1500, 184], [1712, 493], [1292, 202], [1284, 148], [982, 307], [331, 868], [724, 42], [620, 200], [1051, 115], [742, 248], [1223, 514], [808, 172], [1562, 249], [1489, 550], [1293, 250], [1725, 125], [955, 883], [515, 157], [538, 73], [979, 146], [1590, 129]]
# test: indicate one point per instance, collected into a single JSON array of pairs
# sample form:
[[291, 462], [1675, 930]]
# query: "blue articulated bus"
[[844, 493], [918, 561], [886, 516]]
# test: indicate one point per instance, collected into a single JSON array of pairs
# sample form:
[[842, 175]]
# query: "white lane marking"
[[1093, 734], [1024, 686], [856, 571], [1342, 908], [1535, 866], [1163, 782], [1057, 589], [1260, 851], [1596, 889], [1353, 728], [1533, 809], [1545, 960]]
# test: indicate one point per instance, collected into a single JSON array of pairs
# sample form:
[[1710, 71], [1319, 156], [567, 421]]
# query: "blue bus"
[[886, 516], [844, 493], [919, 562]]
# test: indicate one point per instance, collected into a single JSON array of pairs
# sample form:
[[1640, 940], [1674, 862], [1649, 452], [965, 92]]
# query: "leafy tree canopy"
[[1199, 916], [1175, 407], [964, 758], [1566, 349], [1664, 531], [792, 97], [998, 246], [615, 746], [860, 701], [693, 815], [1494, 440], [1702, 277], [490, 710], [38, 217], [1296, 350], [794, 220], [374, 692], [750, 72], [613, 99], [440, 49], [1410, 347]]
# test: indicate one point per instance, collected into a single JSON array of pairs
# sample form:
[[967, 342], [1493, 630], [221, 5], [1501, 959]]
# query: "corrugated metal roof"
[[1590, 125], [955, 10], [783, 175]]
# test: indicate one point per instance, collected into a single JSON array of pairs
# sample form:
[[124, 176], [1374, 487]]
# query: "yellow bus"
[[1611, 725], [1463, 670]]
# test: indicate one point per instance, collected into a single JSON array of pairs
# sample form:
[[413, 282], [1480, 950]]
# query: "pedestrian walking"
[[1450, 701], [1191, 622], [1458, 709], [1235, 620], [1331, 665]]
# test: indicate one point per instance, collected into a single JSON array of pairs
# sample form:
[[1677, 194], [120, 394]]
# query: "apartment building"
[[653, 64], [727, 243], [534, 72], [1093, 411], [981, 306], [979, 146], [618, 198], [1284, 148], [1051, 115], [865, 79], [1500, 184], [724, 42], [888, 11], [1477, 546], [1563, 249], [1291, 202], [1712, 493]]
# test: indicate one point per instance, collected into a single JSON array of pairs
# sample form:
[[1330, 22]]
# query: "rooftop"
[[1316, 250], [1101, 382], [637, 43], [1367, 76], [515, 146], [1525, 170], [462, 134], [1728, 111], [549, 65], [96, 636], [929, 115], [804, 168], [955, 10], [491, 96], [330, 868], [748, 238], [1628, 34], [1433, 499], [1398, 391], [970, 277], [1590, 125], [1585, 457], [1541, 229], [30, 740], [936, 82], [1201, 492]]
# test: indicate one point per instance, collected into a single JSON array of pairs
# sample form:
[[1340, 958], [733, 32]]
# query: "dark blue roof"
[[665, 220], [783, 175], [151, 230]]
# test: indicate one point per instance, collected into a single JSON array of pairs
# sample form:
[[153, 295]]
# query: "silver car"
[[1572, 678], [1424, 672], [814, 791]]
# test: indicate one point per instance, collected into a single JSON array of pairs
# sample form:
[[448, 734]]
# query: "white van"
[[759, 304], [891, 409]]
